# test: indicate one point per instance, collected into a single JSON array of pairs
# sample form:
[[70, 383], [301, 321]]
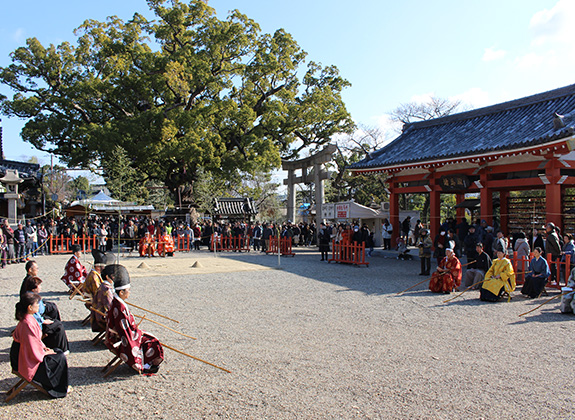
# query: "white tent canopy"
[[347, 210], [100, 199]]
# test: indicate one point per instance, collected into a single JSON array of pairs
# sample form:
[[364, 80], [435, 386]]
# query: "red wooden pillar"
[[486, 198], [504, 212], [553, 192], [394, 213], [434, 205], [460, 211]]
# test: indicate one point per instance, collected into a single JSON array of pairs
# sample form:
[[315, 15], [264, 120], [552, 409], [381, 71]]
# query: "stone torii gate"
[[317, 176]]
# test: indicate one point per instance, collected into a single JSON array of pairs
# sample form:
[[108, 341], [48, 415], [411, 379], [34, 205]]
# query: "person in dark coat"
[[324, 239]]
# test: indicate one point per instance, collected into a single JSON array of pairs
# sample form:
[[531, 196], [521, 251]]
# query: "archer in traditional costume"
[[147, 246], [499, 278], [138, 349], [447, 277], [94, 279], [74, 273], [166, 245]]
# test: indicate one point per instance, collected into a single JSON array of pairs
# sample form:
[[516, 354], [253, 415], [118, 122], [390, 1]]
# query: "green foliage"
[[208, 95], [80, 183], [364, 189], [123, 181]]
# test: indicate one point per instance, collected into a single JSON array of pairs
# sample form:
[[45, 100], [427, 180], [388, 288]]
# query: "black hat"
[[75, 248], [99, 258], [118, 274]]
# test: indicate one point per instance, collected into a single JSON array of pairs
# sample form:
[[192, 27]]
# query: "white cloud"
[[19, 35], [474, 98], [422, 98], [554, 25], [552, 46], [388, 128], [491, 54], [530, 60]]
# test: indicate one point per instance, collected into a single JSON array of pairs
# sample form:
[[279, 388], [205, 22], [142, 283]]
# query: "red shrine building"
[[524, 144]]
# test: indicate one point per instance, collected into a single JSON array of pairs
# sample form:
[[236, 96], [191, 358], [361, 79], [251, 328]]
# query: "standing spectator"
[[488, 239], [568, 249], [522, 248], [370, 244], [102, 234], [42, 239], [425, 244], [416, 231], [324, 238], [537, 239], [197, 237], [3, 248], [439, 244], [463, 229], [257, 232], [387, 230], [405, 229], [454, 242], [10, 249], [499, 244], [189, 235], [20, 242], [267, 232], [130, 235], [470, 244], [553, 247], [31, 238]]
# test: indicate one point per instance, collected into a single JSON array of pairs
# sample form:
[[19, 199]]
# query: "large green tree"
[[184, 93]]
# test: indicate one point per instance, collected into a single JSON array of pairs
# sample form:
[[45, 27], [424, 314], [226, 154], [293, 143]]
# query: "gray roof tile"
[[510, 125]]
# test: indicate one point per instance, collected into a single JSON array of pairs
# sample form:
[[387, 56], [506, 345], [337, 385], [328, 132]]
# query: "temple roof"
[[510, 125], [25, 169], [234, 206]]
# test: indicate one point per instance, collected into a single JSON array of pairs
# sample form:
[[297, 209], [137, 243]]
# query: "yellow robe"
[[92, 283], [505, 270]]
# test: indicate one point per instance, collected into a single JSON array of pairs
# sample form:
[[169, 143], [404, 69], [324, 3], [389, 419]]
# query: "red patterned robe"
[[101, 301], [165, 245], [449, 280], [135, 347], [147, 246], [74, 273]]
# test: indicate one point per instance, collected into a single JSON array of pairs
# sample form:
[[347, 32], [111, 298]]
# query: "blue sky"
[[481, 52]]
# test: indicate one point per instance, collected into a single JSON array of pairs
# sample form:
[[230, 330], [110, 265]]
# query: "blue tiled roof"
[[510, 125]]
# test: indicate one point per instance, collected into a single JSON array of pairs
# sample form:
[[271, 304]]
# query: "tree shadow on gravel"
[[86, 346], [79, 377], [384, 276], [462, 302], [75, 325], [544, 316]]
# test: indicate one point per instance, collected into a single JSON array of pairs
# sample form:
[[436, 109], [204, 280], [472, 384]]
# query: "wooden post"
[[486, 198], [553, 193], [394, 213]]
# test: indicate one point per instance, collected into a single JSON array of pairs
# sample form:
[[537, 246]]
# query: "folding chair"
[[20, 385], [112, 365], [99, 337]]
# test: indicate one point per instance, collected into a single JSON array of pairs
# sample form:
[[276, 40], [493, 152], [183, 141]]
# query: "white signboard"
[[327, 211], [342, 211]]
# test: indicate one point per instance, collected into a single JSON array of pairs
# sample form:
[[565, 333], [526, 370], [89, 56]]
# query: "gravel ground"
[[312, 340]]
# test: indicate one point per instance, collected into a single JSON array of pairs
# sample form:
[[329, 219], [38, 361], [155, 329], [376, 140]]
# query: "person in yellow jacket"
[[498, 279]]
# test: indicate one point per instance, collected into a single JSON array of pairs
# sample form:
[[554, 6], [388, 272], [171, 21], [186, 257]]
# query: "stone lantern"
[[11, 181]]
